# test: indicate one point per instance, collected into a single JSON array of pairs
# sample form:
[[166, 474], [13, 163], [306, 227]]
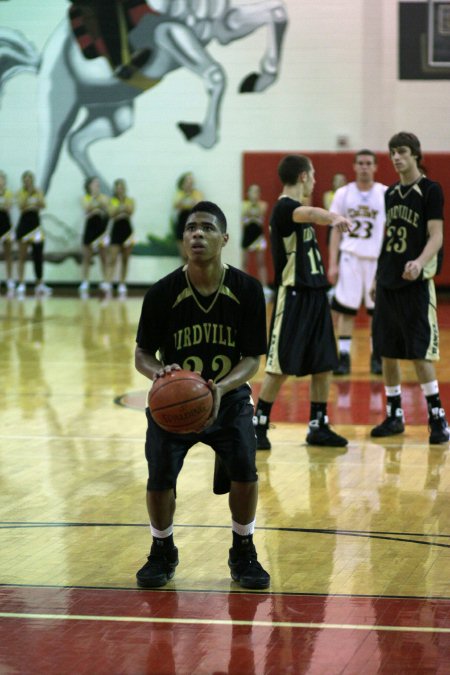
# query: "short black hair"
[[365, 151], [291, 166], [213, 209], [409, 140]]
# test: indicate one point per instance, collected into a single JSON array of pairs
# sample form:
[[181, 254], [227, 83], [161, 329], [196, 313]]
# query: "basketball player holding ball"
[[206, 317]]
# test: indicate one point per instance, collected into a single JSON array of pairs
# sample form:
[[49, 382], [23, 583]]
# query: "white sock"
[[345, 345], [430, 388], [243, 530], [161, 534]]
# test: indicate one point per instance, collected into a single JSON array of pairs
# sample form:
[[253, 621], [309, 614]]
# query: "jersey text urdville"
[[212, 333]]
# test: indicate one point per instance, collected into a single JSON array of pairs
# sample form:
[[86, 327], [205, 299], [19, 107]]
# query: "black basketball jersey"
[[296, 256], [408, 210], [207, 334]]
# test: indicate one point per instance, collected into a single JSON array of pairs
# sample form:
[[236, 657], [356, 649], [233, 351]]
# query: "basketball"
[[180, 402]]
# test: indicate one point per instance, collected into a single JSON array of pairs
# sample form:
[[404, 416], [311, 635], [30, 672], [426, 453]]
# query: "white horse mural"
[[177, 36]]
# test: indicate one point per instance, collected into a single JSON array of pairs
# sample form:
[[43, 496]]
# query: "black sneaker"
[[344, 364], [320, 434], [159, 568], [261, 425], [438, 426], [246, 570], [375, 365], [392, 425]]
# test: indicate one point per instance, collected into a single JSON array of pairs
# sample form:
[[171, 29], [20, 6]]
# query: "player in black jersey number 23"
[[405, 319]]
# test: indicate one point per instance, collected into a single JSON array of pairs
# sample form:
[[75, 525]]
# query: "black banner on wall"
[[424, 40]]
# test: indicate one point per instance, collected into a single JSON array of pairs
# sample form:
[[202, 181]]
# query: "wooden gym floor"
[[357, 543]]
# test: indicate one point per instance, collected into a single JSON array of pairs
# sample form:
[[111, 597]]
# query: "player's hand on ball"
[[165, 370]]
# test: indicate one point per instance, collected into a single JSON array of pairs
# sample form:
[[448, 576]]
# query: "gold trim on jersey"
[[430, 269], [273, 361], [190, 293], [432, 353], [290, 247], [414, 186]]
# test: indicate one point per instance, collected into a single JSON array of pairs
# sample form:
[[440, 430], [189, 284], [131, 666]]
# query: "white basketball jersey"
[[367, 212]]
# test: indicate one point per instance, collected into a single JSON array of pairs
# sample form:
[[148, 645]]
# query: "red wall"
[[261, 168]]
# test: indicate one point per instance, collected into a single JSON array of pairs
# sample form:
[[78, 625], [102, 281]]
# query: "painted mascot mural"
[[99, 63]]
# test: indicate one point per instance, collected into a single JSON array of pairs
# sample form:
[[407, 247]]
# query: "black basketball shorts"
[[405, 322], [232, 437], [301, 338]]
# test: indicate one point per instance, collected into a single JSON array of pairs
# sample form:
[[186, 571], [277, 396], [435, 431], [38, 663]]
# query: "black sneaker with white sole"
[[344, 365], [261, 424], [159, 568], [320, 434], [246, 570], [391, 426], [438, 426]]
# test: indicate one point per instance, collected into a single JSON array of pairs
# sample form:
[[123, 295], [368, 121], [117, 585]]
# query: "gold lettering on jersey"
[[187, 337], [363, 211], [402, 212], [308, 234], [222, 339], [196, 334], [209, 333]]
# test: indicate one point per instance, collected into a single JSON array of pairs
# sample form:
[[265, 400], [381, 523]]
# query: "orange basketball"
[[180, 402]]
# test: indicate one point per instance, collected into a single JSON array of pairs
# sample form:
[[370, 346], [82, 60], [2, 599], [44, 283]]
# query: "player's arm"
[[240, 374], [413, 268], [319, 216], [146, 363], [333, 255]]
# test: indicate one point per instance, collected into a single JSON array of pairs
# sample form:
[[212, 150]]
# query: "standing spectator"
[[405, 319], [7, 232], [353, 255], [185, 198], [338, 180], [95, 236], [301, 338], [253, 241], [186, 302], [30, 201], [121, 208]]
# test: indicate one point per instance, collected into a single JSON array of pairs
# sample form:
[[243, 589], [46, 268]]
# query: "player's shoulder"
[[381, 187], [239, 279], [392, 189], [429, 184], [286, 202], [167, 284], [344, 189]]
